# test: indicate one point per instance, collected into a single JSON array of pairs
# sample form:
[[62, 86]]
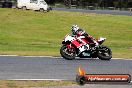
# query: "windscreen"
[[43, 2]]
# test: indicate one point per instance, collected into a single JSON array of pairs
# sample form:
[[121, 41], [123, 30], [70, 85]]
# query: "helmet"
[[74, 28]]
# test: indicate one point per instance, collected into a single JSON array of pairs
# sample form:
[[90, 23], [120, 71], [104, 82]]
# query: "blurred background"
[[79, 4]]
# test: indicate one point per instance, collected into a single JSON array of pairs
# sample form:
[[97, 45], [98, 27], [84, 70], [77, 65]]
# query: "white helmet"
[[74, 28]]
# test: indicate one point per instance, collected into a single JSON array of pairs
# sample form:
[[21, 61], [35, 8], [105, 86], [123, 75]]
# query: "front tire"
[[68, 54], [104, 53]]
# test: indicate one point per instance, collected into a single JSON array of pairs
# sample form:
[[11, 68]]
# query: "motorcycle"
[[73, 47]]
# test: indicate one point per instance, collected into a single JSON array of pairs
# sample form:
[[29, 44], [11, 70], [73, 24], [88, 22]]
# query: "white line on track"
[[44, 80], [8, 55], [38, 56], [39, 79]]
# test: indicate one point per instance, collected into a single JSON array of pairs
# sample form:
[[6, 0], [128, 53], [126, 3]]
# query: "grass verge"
[[35, 33], [33, 84]]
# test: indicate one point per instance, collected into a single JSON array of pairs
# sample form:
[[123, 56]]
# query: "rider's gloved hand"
[[96, 43]]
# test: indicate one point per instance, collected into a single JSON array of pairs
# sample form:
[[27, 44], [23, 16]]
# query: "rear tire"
[[104, 53], [67, 53], [41, 10], [24, 8]]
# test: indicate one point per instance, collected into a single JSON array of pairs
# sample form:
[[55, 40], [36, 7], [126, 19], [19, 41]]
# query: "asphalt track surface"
[[18, 67], [112, 12], [21, 68]]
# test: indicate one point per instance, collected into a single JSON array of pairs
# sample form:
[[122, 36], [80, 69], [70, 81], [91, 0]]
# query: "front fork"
[[69, 46]]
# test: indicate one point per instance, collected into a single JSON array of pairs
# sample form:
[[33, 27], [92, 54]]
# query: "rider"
[[76, 31]]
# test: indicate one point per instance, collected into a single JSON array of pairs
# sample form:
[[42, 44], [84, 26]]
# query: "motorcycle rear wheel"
[[67, 53]]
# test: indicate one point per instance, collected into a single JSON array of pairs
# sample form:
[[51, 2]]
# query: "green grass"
[[35, 33], [33, 84]]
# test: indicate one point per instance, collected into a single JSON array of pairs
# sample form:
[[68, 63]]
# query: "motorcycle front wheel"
[[104, 53], [68, 54]]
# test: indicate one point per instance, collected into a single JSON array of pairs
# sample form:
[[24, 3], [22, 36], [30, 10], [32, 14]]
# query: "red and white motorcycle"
[[80, 47]]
